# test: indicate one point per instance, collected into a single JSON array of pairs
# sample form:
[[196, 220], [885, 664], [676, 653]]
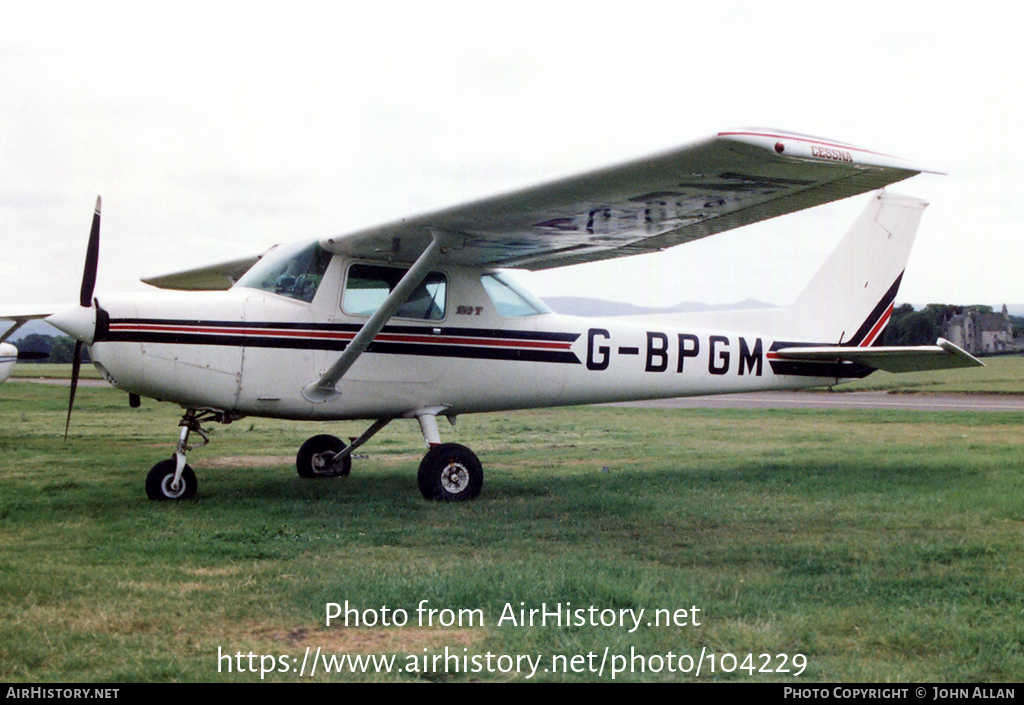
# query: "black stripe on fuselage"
[[432, 345], [352, 328], [839, 369]]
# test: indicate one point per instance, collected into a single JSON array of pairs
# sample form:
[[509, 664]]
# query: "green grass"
[[52, 370], [883, 546]]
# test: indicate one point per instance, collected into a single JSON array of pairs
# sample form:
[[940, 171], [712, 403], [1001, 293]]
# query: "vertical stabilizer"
[[850, 299]]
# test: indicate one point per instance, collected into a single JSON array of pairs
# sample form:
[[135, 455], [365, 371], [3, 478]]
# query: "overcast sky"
[[214, 130]]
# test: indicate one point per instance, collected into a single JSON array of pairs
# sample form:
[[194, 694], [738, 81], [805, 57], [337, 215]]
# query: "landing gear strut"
[[449, 472], [327, 456], [316, 457], [174, 479]]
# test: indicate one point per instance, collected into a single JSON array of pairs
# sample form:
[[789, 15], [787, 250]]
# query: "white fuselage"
[[8, 357], [251, 352]]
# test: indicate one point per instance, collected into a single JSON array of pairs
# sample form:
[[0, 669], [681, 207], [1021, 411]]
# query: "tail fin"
[[850, 299]]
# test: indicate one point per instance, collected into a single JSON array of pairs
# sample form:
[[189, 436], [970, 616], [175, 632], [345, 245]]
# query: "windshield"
[[294, 271]]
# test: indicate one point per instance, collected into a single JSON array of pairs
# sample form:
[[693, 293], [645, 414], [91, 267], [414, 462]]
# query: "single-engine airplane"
[[8, 356], [416, 319]]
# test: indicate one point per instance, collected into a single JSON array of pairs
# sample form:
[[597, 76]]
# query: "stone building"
[[980, 332]]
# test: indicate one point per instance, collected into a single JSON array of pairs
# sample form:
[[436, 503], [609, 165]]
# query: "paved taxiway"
[[842, 400]]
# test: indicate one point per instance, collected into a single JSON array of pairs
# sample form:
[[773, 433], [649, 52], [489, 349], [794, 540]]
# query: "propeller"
[[81, 322]]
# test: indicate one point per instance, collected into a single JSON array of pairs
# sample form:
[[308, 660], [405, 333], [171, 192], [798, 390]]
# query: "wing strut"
[[326, 388], [18, 323]]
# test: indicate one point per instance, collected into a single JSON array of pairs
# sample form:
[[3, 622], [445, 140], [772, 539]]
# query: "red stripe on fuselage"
[[308, 334]]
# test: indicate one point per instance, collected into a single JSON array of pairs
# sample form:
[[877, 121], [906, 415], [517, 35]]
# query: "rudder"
[[849, 300]]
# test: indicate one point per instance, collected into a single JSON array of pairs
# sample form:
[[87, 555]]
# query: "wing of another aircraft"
[[733, 179], [20, 315]]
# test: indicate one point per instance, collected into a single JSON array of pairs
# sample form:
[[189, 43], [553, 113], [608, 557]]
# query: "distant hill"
[[581, 306]]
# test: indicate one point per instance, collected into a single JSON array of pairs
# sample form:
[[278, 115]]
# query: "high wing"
[[222, 275], [943, 355], [733, 179]]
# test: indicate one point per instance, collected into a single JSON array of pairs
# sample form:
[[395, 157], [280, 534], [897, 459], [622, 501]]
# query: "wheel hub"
[[321, 462], [168, 488], [455, 477]]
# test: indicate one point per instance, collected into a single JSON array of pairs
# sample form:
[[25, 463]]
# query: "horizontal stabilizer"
[[941, 356]]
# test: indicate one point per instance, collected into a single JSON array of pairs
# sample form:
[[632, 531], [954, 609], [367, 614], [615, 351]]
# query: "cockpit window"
[[294, 271], [369, 285], [510, 300]]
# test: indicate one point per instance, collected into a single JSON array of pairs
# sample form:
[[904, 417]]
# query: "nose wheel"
[[173, 479], [161, 485]]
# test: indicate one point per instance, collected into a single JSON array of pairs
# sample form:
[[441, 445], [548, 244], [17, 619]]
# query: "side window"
[[368, 285], [509, 300]]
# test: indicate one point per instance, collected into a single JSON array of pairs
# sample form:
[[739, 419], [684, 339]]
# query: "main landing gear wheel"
[[450, 473], [315, 456], [160, 482]]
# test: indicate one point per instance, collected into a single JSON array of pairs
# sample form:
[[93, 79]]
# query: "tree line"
[[52, 348], [910, 327]]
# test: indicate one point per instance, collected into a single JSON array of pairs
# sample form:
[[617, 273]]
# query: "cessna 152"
[[415, 319]]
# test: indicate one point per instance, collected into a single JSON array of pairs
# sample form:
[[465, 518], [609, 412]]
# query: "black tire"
[[450, 473], [310, 459], [159, 479]]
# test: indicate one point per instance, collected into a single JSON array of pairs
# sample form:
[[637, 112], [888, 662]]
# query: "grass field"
[[51, 370], [880, 546]]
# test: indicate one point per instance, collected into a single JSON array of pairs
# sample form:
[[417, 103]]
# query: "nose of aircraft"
[[77, 321]]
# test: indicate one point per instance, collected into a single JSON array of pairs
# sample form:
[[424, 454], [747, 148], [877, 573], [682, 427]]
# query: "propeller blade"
[[92, 256], [76, 365]]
